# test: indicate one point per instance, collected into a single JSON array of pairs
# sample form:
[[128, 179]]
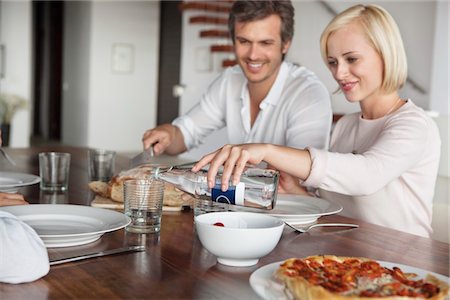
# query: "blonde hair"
[[382, 32]]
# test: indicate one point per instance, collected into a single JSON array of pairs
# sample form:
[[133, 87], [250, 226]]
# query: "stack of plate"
[[64, 225], [11, 182]]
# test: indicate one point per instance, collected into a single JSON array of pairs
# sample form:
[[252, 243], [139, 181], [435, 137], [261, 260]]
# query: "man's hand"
[[164, 138], [289, 184]]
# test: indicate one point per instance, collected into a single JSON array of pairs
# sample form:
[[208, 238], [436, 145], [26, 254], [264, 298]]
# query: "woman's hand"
[[11, 199], [234, 159]]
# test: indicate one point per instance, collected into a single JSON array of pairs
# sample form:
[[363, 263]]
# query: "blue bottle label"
[[234, 195]]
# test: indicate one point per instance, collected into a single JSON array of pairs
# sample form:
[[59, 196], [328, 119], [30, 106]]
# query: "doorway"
[[47, 79], [169, 61], [48, 36]]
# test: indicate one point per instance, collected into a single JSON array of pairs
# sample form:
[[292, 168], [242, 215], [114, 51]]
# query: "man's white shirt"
[[296, 112]]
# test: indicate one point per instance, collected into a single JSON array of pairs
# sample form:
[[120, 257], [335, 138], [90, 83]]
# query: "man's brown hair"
[[247, 11]]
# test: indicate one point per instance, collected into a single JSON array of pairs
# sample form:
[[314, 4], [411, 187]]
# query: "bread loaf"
[[100, 188], [114, 188]]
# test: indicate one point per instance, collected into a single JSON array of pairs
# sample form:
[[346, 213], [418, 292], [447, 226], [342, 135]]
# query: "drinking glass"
[[101, 164], [54, 171], [143, 201]]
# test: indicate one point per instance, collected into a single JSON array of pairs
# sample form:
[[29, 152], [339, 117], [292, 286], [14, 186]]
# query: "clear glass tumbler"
[[101, 164], [143, 201], [54, 170]]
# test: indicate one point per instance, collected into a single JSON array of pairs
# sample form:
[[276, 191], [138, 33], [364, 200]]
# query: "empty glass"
[[101, 164], [54, 171]]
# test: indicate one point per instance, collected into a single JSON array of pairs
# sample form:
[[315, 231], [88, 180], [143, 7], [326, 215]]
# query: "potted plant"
[[9, 105]]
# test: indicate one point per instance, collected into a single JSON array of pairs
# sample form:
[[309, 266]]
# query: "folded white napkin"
[[23, 256]]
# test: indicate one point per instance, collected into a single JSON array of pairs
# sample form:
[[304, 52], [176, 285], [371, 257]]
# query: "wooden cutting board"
[[103, 202]]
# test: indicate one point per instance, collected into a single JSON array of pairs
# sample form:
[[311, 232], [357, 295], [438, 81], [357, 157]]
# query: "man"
[[263, 99]]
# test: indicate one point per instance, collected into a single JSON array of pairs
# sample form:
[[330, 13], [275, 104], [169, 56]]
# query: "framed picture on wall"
[[122, 58]]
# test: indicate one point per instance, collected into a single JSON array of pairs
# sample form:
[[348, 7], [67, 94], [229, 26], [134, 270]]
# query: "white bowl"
[[244, 238]]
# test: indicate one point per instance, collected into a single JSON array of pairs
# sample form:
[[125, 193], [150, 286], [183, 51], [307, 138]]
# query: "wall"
[[440, 79], [198, 69], [18, 70], [77, 24], [106, 107], [198, 66]]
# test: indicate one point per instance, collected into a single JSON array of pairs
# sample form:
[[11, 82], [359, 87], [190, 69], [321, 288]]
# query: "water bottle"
[[257, 189]]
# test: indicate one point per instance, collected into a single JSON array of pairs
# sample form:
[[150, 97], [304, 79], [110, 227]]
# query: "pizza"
[[333, 277]]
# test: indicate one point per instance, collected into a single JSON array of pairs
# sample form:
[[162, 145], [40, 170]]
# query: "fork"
[[8, 158], [309, 227]]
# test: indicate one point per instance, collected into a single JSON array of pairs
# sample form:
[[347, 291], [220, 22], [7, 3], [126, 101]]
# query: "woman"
[[382, 163], [23, 256]]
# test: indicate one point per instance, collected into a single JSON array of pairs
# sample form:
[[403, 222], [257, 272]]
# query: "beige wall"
[[17, 42], [110, 97]]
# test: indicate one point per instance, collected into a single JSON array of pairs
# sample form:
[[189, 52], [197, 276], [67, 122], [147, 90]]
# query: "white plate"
[[264, 285], [10, 182], [64, 225], [298, 209]]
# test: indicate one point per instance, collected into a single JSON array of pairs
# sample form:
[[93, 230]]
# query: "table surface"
[[175, 265]]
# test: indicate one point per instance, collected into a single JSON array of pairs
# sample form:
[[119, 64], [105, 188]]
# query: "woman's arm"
[[406, 143], [234, 158]]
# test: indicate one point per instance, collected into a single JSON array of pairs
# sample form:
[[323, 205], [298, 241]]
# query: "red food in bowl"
[[219, 224]]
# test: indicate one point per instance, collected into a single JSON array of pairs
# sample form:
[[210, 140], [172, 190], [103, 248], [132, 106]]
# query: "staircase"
[[215, 14]]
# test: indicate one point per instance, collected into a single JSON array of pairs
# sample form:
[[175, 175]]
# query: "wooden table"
[[175, 265]]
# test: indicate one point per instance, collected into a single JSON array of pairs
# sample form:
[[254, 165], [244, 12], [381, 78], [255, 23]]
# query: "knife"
[[98, 254], [143, 157]]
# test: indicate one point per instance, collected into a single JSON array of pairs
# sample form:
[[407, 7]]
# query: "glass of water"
[[143, 201]]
